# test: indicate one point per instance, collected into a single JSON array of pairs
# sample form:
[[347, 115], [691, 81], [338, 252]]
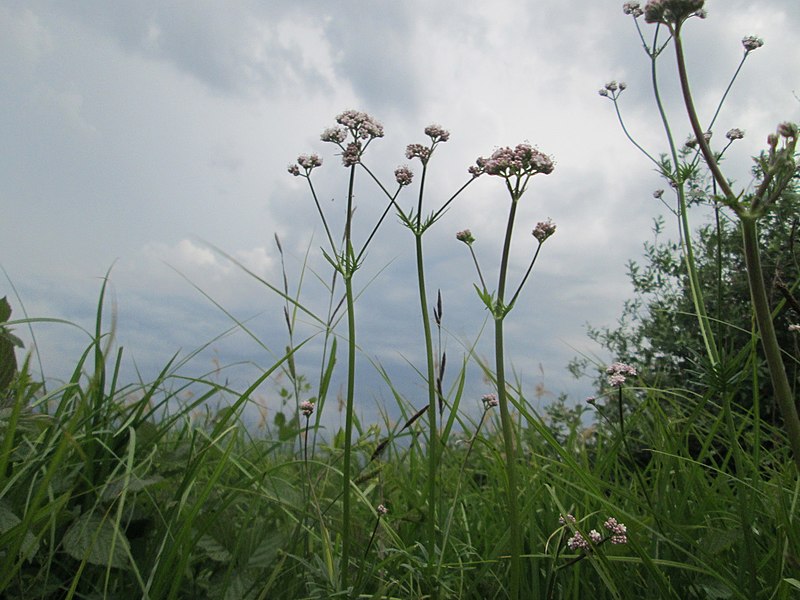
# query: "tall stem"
[[349, 267], [769, 341], [686, 231], [505, 415]]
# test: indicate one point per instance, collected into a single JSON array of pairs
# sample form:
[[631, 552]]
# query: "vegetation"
[[686, 485]]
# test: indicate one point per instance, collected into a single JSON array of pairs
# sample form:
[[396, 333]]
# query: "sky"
[[150, 141]]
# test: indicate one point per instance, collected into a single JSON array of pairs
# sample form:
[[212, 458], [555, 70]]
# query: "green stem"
[[769, 341], [349, 268], [505, 415], [686, 231]]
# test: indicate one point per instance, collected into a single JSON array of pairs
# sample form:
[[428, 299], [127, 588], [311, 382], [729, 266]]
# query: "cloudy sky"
[[139, 136]]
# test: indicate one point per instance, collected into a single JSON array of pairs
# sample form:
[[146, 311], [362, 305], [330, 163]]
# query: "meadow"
[[679, 479]]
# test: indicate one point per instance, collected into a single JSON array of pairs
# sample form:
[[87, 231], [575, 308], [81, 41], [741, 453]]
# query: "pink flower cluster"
[[466, 237], [360, 126], [307, 162], [437, 133], [543, 230], [489, 401], [403, 175], [751, 42], [307, 408], [617, 373], [618, 534], [613, 89], [418, 151], [735, 134], [671, 12], [632, 8], [507, 162], [692, 142]]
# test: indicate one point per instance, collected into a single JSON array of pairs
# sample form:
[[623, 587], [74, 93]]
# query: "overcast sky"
[[136, 134]]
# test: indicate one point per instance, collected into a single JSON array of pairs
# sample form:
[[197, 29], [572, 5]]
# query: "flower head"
[[751, 42], [360, 124], [619, 533], [489, 401], [437, 133], [692, 142], [544, 230], [352, 154], [577, 542], [632, 8], [465, 236], [568, 518], [418, 151], [381, 510], [787, 129], [520, 161], [735, 134], [403, 175], [337, 135], [658, 194], [307, 162], [617, 373], [307, 408], [672, 12]]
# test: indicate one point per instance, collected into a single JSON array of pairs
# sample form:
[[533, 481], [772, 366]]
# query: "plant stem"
[[769, 341], [348, 268], [505, 416]]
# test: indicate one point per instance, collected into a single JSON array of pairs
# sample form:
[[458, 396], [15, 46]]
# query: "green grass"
[[118, 492]]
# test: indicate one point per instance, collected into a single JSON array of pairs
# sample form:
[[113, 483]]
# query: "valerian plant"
[[776, 167], [515, 166]]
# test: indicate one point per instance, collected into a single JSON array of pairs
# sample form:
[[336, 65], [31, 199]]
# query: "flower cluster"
[[307, 162], [437, 133], [619, 533], [523, 160], [360, 126], [751, 42], [618, 372], [612, 89], [632, 8], [381, 510], [735, 134], [465, 236], [658, 194], [403, 175], [672, 12], [692, 142], [307, 408], [489, 401], [543, 230], [418, 151], [788, 130]]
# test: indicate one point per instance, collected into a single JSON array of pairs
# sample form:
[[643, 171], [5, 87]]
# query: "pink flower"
[[632, 8], [544, 230], [489, 401], [751, 42], [307, 408], [465, 236], [735, 134], [418, 151], [437, 133], [618, 372], [619, 533], [522, 160], [381, 510], [403, 175]]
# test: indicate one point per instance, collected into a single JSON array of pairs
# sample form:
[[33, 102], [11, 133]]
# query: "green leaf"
[[98, 541], [8, 520], [5, 309], [214, 550]]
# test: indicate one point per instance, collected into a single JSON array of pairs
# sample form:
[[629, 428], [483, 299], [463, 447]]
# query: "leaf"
[[8, 520], [98, 541], [215, 551], [5, 309]]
